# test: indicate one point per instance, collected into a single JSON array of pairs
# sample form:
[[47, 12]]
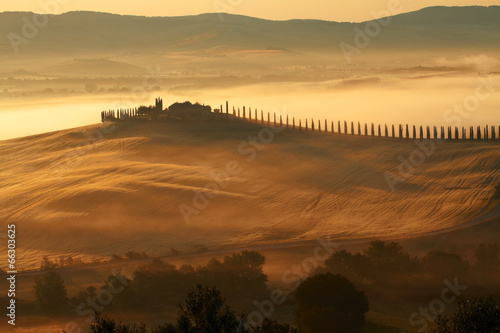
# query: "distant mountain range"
[[89, 32]]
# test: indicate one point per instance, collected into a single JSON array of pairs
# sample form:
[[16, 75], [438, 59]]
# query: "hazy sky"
[[335, 10]]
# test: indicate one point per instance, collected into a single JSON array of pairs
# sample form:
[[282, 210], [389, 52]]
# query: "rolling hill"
[[132, 188], [90, 32]]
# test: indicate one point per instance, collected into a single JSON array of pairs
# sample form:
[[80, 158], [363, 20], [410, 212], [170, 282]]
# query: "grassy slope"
[[123, 192]]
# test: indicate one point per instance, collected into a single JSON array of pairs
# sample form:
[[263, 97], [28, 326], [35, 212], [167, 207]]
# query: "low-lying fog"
[[439, 88], [417, 98]]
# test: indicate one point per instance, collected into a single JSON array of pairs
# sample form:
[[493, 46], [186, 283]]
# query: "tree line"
[[329, 300]]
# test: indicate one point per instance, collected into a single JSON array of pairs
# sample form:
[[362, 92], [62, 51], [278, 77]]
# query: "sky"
[[331, 10]]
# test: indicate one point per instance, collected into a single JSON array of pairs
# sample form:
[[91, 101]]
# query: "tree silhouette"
[[249, 260], [388, 257], [472, 316], [89, 292], [443, 264], [124, 296], [153, 282], [50, 292], [272, 326], [104, 324], [330, 303], [204, 312], [346, 263], [379, 249]]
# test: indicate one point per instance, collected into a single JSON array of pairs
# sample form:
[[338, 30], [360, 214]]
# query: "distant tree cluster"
[[382, 259], [69, 261], [326, 302], [156, 284], [239, 274], [387, 273], [204, 311], [130, 255]]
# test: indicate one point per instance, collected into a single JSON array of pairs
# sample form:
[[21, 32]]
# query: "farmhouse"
[[187, 110]]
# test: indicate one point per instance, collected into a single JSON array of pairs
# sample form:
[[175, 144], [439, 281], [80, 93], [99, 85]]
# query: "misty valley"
[[227, 173]]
